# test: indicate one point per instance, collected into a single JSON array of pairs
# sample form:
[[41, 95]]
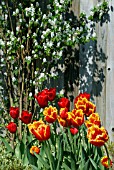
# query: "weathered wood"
[[110, 75], [99, 82]]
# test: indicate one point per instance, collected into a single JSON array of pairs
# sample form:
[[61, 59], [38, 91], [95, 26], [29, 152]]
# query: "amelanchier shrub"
[[33, 39]]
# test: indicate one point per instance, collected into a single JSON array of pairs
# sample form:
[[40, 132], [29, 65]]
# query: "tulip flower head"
[[93, 119], [14, 112], [26, 117], [97, 136], [40, 130], [12, 127], [50, 114], [106, 162], [64, 103], [34, 149]]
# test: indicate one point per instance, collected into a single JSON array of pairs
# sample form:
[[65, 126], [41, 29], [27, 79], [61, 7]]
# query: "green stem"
[[107, 155], [48, 150]]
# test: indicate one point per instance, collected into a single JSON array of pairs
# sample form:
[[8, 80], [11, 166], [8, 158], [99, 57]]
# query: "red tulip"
[[64, 113], [12, 127], [14, 112], [44, 96], [51, 94], [64, 102], [74, 131], [26, 117]]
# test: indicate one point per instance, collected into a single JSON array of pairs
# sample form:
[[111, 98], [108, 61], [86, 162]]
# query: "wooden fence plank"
[[110, 75]]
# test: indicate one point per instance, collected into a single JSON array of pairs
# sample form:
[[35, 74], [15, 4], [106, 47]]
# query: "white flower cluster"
[[30, 11], [28, 58]]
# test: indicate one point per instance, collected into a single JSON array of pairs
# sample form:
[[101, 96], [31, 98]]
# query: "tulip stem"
[[47, 148], [107, 154]]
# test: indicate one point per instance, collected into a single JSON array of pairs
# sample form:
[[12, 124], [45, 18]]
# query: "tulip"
[[63, 113], [64, 119], [40, 130], [42, 100], [62, 122], [50, 114], [97, 136], [106, 162], [51, 94], [26, 117], [34, 149], [14, 112], [44, 96], [93, 119], [77, 117], [73, 131], [80, 96], [12, 127], [64, 102], [87, 106]]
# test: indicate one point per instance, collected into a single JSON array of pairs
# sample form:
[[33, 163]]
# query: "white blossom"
[[28, 58], [17, 28], [36, 72], [30, 94], [36, 91], [6, 16], [13, 79], [61, 91], [44, 60], [17, 11], [52, 34], [1, 53], [44, 16], [37, 4], [41, 75], [20, 20], [94, 34], [22, 46], [2, 42]]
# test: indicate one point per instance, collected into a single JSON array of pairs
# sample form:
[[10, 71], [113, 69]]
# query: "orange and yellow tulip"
[[50, 114], [40, 130], [97, 135], [106, 162]]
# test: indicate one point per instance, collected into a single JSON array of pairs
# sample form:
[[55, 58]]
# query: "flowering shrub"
[[64, 139]]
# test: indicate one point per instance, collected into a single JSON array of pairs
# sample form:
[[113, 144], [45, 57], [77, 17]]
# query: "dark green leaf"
[[93, 163], [9, 148]]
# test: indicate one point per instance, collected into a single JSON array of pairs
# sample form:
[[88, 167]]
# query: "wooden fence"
[[98, 58]]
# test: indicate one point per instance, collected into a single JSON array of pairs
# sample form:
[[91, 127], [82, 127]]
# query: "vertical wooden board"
[[96, 84], [101, 31], [75, 8], [110, 75], [87, 5]]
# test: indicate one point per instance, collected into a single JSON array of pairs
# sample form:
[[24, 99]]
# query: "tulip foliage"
[[60, 138]]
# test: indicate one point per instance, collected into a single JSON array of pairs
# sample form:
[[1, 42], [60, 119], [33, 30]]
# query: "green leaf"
[[73, 162], [34, 167], [49, 155], [42, 161], [93, 163], [86, 166], [64, 166], [17, 151], [9, 148], [59, 153]]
